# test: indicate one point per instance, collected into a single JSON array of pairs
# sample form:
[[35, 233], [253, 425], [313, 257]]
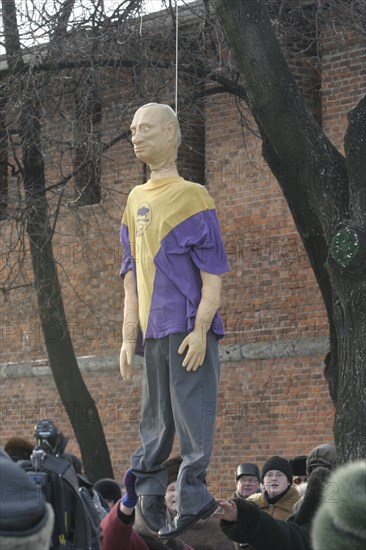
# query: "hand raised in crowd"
[[228, 510]]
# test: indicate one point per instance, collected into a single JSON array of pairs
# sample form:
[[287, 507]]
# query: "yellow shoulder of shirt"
[[191, 197]]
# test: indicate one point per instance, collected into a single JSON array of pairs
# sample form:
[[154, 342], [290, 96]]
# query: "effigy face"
[[153, 136]]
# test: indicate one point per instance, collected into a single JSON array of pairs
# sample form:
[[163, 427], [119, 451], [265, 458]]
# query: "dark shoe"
[[183, 522], [153, 511]]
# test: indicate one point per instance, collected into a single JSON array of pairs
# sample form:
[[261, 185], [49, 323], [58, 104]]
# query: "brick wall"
[[344, 83], [273, 397], [274, 406]]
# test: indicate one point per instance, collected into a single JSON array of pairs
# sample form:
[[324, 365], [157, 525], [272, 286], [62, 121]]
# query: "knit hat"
[[339, 523], [26, 519], [278, 463], [247, 469], [108, 488]]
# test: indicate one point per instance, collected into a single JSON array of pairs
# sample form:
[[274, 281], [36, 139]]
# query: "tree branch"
[[283, 114]]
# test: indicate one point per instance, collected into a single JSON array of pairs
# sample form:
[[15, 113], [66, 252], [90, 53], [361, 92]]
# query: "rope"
[[176, 57], [176, 49]]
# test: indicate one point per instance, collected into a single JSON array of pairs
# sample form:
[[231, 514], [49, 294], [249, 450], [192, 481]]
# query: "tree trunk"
[[324, 192], [74, 394], [349, 282]]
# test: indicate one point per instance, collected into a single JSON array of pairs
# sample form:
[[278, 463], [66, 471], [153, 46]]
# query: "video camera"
[[49, 438], [49, 441]]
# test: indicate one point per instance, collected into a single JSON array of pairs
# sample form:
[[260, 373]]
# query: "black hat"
[[108, 488], [278, 463], [247, 469], [298, 464], [26, 520]]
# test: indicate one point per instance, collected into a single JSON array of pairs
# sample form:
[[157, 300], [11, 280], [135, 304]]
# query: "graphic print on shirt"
[[143, 218]]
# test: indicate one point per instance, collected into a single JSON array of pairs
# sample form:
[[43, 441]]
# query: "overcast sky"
[[31, 9]]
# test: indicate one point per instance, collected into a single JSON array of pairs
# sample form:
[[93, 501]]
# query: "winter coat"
[[263, 532], [282, 509], [118, 535], [207, 535], [244, 546]]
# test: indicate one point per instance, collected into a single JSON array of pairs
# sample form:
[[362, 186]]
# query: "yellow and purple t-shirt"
[[169, 233]]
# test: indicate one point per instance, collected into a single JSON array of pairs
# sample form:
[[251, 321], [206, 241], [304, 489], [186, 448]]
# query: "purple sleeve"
[[206, 245], [127, 259], [128, 263]]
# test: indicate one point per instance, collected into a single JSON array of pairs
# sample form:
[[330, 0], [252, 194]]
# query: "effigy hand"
[[195, 341], [126, 360]]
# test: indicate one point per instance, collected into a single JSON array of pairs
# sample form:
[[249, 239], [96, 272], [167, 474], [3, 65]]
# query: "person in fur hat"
[[26, 519], [298, 465], [339, 524], [324, 455], [321, 456]]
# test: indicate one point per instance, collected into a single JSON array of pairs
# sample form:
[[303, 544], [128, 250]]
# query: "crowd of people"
[[305, 503]]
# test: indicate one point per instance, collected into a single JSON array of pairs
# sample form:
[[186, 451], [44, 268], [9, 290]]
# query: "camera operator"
[[55, 474]]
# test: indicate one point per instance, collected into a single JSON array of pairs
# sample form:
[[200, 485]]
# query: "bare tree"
[[328, 202], [35, 212]]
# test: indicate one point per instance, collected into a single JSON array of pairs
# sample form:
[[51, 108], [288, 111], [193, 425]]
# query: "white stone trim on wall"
[[228, 354]]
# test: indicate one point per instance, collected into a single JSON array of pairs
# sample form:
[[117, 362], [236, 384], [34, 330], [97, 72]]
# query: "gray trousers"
[[177, 401]]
